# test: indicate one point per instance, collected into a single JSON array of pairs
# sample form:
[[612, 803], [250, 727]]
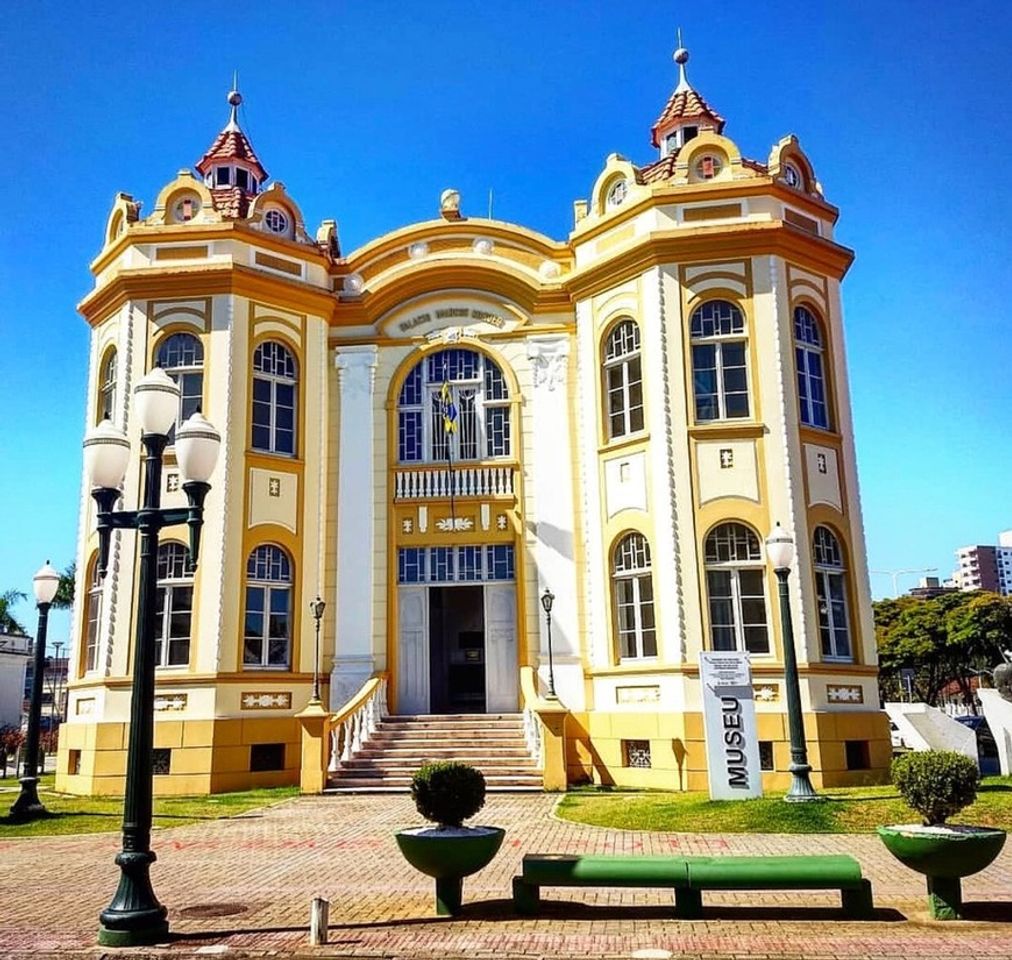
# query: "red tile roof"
[[664, 169], [686, 104], [231, 144], [231, 202]]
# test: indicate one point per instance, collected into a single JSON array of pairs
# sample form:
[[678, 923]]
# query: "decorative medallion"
[[253, 700], [407, 525], [726, 458], [171, 483], [86, 707], [501, 522], [845, 693], [454, 524], [767, 692], [170, 702], [820, 462], [274, 486]]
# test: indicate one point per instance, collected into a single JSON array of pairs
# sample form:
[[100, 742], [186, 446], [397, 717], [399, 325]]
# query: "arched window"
[[181, 356], [268, 633], [107, 388], [453, 405], [174, 605], [831, 589], [92, 616], [808, 355], [623, 380], [736, 588], [719, 361], [633, 592], [275, 382]]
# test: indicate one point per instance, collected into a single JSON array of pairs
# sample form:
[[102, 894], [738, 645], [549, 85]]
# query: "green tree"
[[64, 598], [944, 640], [8, 622]]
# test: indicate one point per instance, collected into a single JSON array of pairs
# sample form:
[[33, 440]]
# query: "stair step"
[[429, 752], [492, 782], [342, 787], [449, 717], [401, 767]]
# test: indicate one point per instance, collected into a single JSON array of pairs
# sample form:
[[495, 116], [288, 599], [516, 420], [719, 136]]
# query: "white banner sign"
[[732, 741]]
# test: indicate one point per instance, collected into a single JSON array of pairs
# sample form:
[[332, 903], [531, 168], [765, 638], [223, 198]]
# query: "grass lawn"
[[846, 810], [71, 814]]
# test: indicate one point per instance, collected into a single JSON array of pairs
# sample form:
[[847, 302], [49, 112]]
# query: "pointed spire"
[[234, 99], [232, 145], [681, 58], [685, 107]]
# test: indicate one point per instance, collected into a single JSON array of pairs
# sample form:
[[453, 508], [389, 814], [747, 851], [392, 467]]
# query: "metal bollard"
[[319, 916]]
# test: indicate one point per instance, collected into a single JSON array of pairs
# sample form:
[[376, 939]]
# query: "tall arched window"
[[275, 382], [92, 616], [107, 387], [623, 380], [831, 589], [174, 606], [459, 389], [633, 593], [736, 587], [268, 632], [181, 356], [808, 355], [719, 361]]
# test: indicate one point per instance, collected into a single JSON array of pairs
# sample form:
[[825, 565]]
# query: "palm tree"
[[8, 623], [64, 598]]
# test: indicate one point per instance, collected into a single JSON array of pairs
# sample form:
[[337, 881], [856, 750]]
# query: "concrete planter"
[[944, 854], [448, 854]]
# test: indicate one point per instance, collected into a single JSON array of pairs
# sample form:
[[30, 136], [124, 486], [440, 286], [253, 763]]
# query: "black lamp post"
[[135, 917], [28, 806], [780, 550], [547, 599], [317, 607]]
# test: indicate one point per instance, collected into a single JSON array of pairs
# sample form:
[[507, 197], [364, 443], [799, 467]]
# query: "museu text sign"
[[732, 741]]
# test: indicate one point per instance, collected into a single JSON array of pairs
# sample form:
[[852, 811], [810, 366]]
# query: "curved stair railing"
[[349, 728]]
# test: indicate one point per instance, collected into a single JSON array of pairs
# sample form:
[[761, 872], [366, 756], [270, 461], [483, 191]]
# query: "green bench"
[[690, 876]]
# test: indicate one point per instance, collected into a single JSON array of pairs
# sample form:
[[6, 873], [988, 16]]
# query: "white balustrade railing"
[[430, 483], [352, 730], [532, 736]]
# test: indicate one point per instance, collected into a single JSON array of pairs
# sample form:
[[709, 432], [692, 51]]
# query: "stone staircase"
[[492, 742]]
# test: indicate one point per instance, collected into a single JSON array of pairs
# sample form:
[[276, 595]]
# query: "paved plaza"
[[242, 887]]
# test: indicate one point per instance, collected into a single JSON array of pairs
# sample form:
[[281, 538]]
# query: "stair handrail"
[[347, 729], [534, 705]]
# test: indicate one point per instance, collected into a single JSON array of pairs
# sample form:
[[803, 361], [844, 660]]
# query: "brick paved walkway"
[[242, 888]]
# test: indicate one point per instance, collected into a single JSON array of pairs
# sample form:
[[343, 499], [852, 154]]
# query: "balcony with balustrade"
[[433, 481]]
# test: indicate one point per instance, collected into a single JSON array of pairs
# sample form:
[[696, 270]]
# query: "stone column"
[[353, 654], [555, 516]]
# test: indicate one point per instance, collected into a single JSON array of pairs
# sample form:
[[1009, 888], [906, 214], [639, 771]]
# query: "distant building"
[[14, 653], [985, 567], [932, 587], [54, 688]]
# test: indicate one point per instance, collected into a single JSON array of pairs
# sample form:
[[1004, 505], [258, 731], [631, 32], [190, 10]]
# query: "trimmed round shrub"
[[448, 792], [936, 783]]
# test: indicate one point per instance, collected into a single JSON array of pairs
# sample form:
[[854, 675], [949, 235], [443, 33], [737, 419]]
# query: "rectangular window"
[[254, 642], [467, 426], [409, 436], [284, 428], [264, 757], [718, 585], [441, 564], [73, 762], [704, 381], [410, 565], [221, 176], [278, 628], [91, 643], [753, 610], [174, 611], [499, 564], [732, 359], [766, 755], [261, 414], [497, 431], [242, 178], [636, 753], [469, 563], [161, 761], [857, 753]]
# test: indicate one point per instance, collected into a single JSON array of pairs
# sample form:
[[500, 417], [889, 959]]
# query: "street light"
[[780, 551], [317, 607], [135, 917], [547, 599], [28, 806]]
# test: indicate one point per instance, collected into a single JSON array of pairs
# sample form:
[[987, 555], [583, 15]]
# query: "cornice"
[[190, 233], [713, 243], [667, 194], [147, 283]]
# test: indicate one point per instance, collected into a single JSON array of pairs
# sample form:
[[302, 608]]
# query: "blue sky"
[[367, 111]]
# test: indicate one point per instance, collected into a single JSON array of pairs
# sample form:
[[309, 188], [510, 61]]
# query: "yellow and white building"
[[634, 408]]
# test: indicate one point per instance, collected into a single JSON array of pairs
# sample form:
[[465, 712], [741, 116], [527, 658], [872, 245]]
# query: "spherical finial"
[[681, 56], [234, 98]]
